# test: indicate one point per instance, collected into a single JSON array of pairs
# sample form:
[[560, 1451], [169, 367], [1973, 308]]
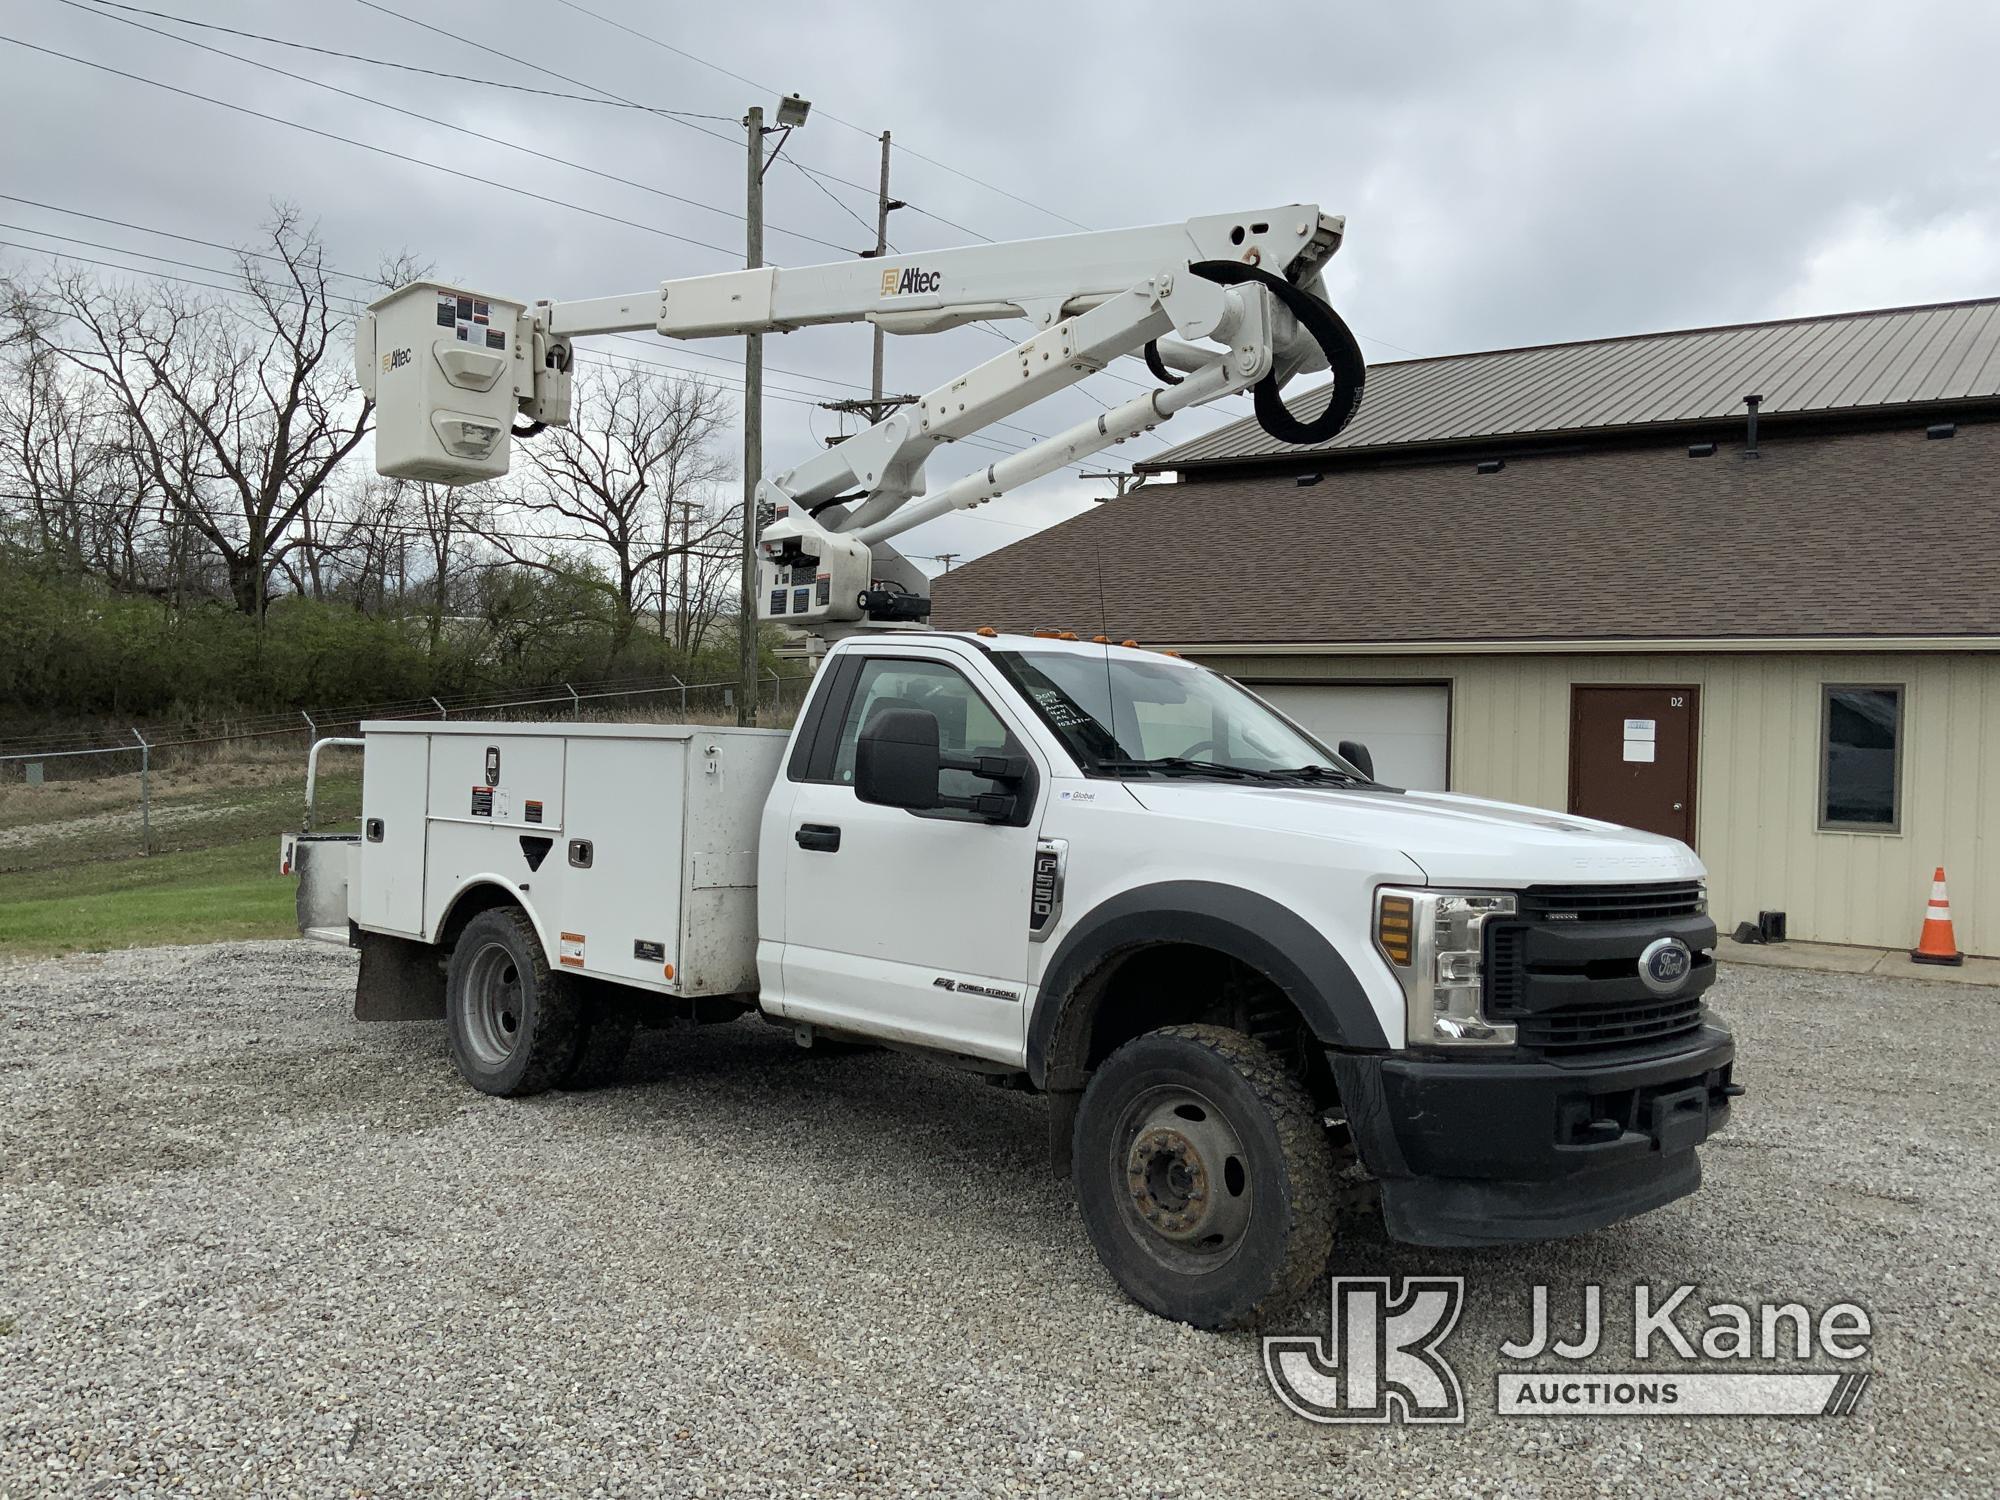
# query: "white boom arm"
[[1241, 292]]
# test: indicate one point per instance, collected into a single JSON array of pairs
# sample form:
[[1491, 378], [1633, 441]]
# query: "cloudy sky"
[[1511, 173]]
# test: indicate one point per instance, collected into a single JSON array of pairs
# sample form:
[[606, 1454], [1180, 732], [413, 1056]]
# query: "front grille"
[[1611, 903], [1581, 993], [1592, 1028]]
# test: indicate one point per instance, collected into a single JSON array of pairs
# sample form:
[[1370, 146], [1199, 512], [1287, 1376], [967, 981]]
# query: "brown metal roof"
[[1880, 533], [1946, 352]]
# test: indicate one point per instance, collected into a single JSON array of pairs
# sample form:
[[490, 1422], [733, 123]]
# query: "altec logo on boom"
[[909, 281]]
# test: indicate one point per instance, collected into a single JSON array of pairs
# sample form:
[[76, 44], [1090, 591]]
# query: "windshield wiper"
[[1325, 773], [1170, 765]]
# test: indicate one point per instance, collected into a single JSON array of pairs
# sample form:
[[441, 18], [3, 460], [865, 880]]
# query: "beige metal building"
[[1569, 576]]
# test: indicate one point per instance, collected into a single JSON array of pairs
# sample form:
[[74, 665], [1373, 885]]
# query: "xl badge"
[[1665, 965]]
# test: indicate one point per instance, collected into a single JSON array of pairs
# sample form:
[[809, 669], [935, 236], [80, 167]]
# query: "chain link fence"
[[64, 801]]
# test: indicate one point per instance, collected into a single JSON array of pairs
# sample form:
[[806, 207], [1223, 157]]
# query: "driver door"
[[902, 924]]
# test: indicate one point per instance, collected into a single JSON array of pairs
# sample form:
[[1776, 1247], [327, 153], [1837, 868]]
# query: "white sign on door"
[[1641, 737]]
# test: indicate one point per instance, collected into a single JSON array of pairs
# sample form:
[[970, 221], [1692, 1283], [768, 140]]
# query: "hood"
[[1455, 840]]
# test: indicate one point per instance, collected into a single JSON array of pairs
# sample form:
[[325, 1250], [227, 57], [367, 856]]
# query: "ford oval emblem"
[[1665, 964]]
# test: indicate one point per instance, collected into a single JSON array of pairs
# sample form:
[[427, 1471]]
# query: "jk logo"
[[1381, 1361]]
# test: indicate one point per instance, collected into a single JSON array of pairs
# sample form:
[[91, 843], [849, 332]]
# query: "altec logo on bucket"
[[1383, 1360], [909, 281]]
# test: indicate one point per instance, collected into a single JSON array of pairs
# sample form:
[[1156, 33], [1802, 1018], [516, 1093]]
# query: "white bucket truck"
[[1235, 964]]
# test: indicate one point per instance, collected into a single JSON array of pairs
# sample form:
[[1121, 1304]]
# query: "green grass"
[[202, 896]]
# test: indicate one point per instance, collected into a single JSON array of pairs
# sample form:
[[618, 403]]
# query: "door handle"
[[821, 836]]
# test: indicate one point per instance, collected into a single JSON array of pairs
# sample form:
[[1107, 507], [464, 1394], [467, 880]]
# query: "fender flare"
[[512, 889], [1254, 929]]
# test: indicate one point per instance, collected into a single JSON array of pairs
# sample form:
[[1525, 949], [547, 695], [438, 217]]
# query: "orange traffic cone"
[[1936, 945]]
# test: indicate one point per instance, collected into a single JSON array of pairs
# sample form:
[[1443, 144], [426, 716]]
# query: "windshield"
[[1122, 717]]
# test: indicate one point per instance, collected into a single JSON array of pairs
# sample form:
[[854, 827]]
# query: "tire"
[[1205, 1176], [609, 1020], [515, 1025]]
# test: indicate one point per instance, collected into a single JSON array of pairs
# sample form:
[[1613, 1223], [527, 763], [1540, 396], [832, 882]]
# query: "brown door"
[[1631, 756]]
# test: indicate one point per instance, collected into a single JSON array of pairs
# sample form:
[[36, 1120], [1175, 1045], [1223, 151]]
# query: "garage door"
[[1406, 726]]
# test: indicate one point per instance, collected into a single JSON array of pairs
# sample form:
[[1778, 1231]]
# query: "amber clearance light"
[[1393, 928]]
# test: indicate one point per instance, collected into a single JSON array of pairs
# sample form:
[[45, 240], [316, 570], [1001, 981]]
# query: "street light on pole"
[[792, 112]]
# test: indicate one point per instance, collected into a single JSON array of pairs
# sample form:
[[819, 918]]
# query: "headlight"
[[1435, 944]]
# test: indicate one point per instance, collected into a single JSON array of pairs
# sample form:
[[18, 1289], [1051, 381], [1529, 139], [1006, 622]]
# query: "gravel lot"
[[250, 1246]]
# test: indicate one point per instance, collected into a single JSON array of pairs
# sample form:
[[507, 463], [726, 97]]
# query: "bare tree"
[[240, 411], [635, 474], [68, 477], [448, 516]]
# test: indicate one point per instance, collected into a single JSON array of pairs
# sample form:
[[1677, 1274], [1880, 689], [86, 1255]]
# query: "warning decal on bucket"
[[570, 950]]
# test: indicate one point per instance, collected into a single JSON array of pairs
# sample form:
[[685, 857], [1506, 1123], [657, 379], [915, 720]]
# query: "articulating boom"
[[1235, 302]]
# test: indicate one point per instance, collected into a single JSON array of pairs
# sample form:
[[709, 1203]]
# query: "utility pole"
[[877, 406], [947, 558], [881, 248], [753, 432], [792, 112]]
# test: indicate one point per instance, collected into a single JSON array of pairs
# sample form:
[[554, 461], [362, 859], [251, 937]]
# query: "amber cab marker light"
[[1392, 928], [986, 630]]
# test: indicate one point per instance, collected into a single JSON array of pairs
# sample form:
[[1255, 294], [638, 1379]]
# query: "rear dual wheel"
[[1206, 1179]]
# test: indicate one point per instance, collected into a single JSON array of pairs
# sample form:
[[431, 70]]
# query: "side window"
[[965, 724], [1861, 739]]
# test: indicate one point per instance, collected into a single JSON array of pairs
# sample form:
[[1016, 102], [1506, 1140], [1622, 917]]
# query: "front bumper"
[[1487, 1151]]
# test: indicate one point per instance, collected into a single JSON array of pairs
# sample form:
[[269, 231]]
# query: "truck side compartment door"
[[393, 834], [897, 923]]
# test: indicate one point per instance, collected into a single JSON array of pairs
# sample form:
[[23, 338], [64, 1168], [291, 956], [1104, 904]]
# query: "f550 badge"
[[910, 281]]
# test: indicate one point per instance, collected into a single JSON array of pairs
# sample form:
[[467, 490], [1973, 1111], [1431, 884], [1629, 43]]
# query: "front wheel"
[[1205, 1176], [515, 1023]]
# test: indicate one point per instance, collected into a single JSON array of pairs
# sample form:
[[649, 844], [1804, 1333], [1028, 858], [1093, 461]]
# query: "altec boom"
[[1235, 302]]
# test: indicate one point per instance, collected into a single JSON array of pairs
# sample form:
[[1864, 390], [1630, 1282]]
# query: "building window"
[[1861, 759]]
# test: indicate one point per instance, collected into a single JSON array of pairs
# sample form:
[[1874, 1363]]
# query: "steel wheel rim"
[[1182, 1179], [495, 1000]]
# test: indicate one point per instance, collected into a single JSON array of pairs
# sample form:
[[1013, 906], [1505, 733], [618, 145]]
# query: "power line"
[[781, 393], [862, 129], [365, 146], [789, 395], [167, 234], [732, 141], [865, 225], [76, 4], [561, 161], [352, 303], [687, 347], [381, 62]]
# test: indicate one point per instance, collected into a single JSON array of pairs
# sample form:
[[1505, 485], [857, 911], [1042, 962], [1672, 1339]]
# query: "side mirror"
[[896, 760], [1356, 754]]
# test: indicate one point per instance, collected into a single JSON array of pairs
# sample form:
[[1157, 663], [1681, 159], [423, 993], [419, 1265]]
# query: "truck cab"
[[1131, 881]]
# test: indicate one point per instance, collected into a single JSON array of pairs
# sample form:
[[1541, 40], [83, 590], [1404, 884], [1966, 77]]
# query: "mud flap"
[[400, 980]]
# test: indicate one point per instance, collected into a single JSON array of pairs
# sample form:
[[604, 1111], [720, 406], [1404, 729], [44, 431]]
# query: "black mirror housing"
[[896, 760], [1356, 754]]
